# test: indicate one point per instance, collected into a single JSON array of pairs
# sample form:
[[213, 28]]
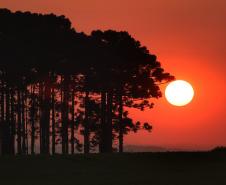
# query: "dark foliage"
[[58, 86]]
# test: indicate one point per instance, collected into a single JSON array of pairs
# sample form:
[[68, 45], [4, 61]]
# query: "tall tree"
[[131, 72]]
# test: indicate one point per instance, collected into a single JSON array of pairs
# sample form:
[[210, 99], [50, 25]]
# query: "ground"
[[173, 168]]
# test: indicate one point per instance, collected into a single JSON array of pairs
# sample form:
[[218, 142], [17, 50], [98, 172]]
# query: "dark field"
[[116, 169]]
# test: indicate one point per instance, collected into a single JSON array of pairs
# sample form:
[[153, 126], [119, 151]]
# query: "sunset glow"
[[188, 37], [113, 92]]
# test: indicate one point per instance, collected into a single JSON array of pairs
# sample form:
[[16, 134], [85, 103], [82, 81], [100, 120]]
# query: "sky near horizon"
[[188, 36]]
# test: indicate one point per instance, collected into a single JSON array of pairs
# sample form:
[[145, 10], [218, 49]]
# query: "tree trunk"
[[23, 123], [53, 121], [73, 122], [19, 150], [62, 107], [106, 123], [26, 121], [120, 124], [33, 119], [46, 116], [2, 102], [41, 117], [103, 123], [109, 123], [2, 114], [86, 124], [6, 124], [65, 111], [13, 129]]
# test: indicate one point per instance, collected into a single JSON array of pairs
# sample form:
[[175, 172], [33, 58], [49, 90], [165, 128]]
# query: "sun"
[[179, 93]]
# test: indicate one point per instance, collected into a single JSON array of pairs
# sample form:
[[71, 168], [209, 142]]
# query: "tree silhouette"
[[57, 85], [131, 73]]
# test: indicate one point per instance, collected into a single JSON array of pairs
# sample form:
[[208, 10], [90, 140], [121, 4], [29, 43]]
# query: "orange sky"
[[188, 36]]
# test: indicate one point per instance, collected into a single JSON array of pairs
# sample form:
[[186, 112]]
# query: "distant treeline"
[[64, 89]]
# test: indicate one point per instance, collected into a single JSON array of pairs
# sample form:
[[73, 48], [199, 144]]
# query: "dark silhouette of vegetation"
[[220, 149], [58, 85]]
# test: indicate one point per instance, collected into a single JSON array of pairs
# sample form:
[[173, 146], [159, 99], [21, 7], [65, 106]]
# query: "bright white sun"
[[179, 93]]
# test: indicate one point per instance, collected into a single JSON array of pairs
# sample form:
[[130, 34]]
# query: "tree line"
[[66, 91]]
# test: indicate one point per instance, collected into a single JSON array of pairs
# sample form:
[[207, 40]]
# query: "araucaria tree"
[[62, 91]]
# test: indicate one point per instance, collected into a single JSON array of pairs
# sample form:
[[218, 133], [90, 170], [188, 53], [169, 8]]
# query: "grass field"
[[175, 168]]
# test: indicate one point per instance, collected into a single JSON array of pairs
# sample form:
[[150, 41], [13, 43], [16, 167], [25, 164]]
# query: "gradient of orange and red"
[[188, 36]]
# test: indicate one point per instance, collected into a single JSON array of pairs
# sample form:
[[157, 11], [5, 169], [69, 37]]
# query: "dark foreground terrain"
[[116, 169]]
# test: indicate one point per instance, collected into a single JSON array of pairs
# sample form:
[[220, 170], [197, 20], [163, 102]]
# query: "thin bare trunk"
[[109, 123], [19, 150], [2, 114], [7, 123], [65, 111], [73, 122], [102, 142], [86, 124], [33, 119], [13, 129], [41, 117], [62, 107], [53, 121], [120, 124], [23, 123]]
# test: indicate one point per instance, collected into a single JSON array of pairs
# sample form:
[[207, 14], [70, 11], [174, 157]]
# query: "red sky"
[[188, 36]]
